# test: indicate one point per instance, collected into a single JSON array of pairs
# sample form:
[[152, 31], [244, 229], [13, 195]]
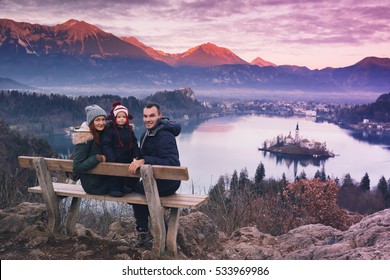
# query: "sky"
[[312, 33]]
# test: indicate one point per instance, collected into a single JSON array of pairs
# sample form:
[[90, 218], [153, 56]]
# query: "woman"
[[88, 151]]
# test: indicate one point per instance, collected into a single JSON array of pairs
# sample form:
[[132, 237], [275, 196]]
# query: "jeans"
[[141, 212]]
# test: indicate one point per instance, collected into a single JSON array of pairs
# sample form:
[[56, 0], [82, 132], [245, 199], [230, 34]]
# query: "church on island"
[[296, 146]]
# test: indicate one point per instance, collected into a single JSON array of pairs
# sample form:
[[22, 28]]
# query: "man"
[[158, 147]]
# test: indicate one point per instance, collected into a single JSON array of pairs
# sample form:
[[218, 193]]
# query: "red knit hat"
[[118, 107]]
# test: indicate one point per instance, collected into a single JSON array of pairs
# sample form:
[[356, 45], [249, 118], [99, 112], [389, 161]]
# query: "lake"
[[221, 145]]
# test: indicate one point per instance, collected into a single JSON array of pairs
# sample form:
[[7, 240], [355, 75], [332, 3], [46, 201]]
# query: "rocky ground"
[[23, 235], [65, 248]]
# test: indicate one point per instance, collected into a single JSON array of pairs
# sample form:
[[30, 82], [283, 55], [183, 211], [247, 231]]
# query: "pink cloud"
[[267, 28]]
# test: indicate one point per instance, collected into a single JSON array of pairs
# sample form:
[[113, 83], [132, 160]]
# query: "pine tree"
[[260, 173], [284, 181], [243, 180], [365, 183], [383, 187], [317, 175], [302, 176], [347, 181], [323, 174], [388, 184], [234, 182], [216, 192]]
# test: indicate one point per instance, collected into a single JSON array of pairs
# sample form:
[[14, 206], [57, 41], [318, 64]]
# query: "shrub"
[[315, 201]]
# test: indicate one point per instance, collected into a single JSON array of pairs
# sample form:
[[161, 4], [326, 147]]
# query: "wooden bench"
[[52, 191]]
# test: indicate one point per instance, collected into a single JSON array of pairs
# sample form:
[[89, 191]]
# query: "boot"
[[144, 238]]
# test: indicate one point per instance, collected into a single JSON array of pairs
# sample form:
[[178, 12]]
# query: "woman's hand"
[[101, 158]]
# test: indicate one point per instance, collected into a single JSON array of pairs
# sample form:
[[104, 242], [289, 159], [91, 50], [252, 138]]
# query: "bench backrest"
[[110, 168]]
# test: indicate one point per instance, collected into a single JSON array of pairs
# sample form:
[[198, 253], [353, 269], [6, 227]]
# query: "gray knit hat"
[[94, 111]]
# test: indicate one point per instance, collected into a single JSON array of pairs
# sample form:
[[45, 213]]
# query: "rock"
[[83, 255], [249, 243], [306, 236], [37, 254], [253, 235], [367, 240], [24, 234], [34, 235], [123, 248], [249, 251], [80, 247], [122, 229], [197, 234], [122, 257], [15, 219], [81, 230]]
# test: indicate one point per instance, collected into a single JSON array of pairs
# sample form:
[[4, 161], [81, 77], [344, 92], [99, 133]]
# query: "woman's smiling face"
[[99, 123]]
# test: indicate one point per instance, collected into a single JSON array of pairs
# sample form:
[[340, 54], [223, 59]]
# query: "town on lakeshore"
[[317, 111], [296, 146]]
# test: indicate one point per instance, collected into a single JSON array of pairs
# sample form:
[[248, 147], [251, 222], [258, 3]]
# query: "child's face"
[[121, 118]]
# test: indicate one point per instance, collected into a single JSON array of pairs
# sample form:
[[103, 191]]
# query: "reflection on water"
[[374, 137], [295, 161]]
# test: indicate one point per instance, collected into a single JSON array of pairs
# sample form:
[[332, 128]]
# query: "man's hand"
[[135, 165]]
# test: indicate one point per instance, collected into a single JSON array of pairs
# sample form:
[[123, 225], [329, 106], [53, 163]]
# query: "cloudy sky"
[[312, 33]]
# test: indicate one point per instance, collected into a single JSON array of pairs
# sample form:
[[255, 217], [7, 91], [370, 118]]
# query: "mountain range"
[[78, 53]]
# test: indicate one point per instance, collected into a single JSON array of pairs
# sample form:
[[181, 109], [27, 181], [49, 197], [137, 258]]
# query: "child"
[[120, 145]]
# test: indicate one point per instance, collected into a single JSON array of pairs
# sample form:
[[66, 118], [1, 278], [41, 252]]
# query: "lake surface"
[[219, 146]]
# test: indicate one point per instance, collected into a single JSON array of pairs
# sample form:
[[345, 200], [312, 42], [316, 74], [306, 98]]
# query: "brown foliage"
[[315, 201], [271, 215], [354, 199], [276, 212]]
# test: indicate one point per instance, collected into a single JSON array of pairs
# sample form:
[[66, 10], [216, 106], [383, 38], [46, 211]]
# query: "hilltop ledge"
[[23, 235]]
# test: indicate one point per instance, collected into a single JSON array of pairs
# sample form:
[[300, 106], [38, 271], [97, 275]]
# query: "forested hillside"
[[379, 111], [47, 114], [178, 103], [14, 180]]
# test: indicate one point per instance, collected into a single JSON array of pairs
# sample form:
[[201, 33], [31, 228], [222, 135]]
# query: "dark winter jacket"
[[84, 159], [158, 146], [120, 144]]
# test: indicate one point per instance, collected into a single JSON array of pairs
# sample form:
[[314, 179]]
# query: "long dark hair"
[[94, 133]]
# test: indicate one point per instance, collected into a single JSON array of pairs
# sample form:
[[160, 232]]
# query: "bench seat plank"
[[173, 201]]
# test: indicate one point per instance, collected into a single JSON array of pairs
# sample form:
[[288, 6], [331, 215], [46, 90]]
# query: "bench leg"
[[48, 194], [72, 216], [173, 225], [156, 211]]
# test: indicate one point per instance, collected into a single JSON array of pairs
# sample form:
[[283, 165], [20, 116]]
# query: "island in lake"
[[296, 146]]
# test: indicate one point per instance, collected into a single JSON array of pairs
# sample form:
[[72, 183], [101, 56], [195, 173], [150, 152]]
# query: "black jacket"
[[120, 144], [158, 146]]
